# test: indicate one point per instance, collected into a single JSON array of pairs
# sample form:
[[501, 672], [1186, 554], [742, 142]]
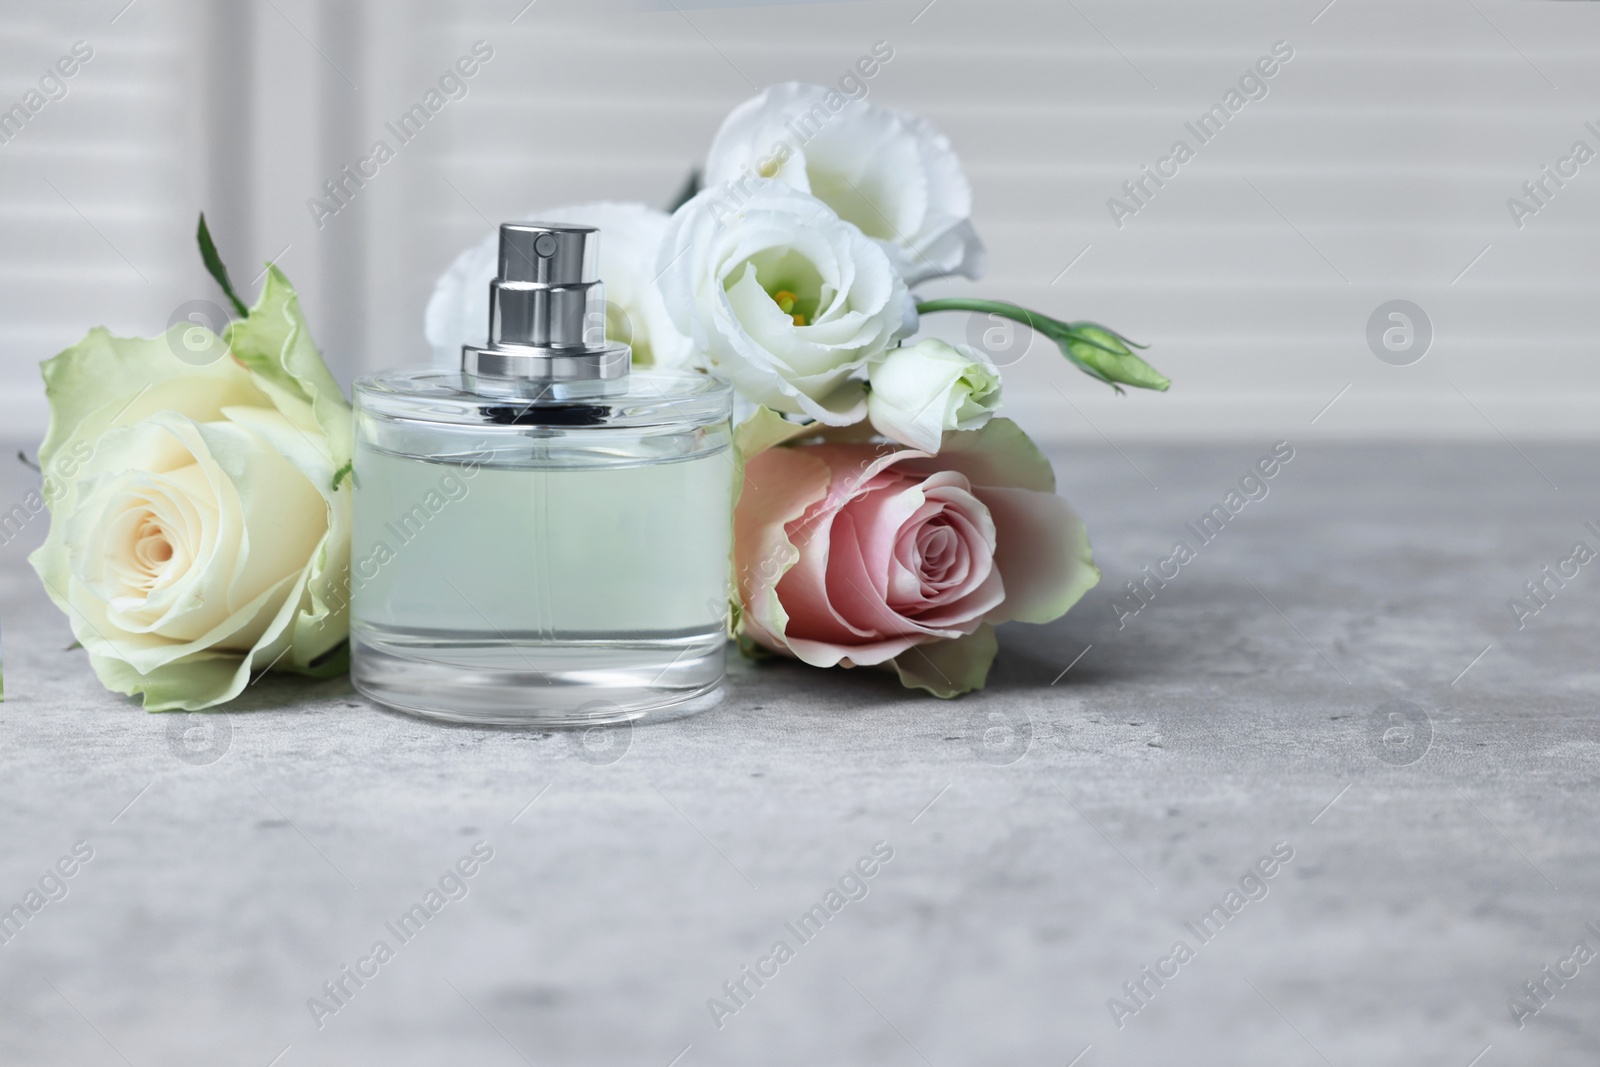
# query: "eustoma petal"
[[725, 264], [889, 173], [922, 391]]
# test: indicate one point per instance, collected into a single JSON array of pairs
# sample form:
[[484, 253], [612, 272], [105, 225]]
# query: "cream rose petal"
[[107, 526], [112, 381], [260, 519], [199, 583], [191, 677]]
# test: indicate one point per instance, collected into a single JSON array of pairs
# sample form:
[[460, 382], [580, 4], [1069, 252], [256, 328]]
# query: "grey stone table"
[[1336, 676]]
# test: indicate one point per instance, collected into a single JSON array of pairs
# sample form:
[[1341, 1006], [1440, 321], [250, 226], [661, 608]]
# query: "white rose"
[[889, 172], [630, 234], [196, 532], [919, 393], [785, 299]]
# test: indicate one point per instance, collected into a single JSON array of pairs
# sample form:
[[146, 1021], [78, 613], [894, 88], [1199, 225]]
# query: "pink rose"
[[854, 554]]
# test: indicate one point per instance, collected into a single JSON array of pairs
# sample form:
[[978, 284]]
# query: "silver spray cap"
[[547, 311]]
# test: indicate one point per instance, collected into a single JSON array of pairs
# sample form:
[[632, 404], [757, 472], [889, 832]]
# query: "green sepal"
[[331, 664], [686, 192]]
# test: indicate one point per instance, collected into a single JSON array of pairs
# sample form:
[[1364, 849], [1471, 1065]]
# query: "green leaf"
[[949, 668], [766, 429], [750, 650], [346, 471], [214, 264]]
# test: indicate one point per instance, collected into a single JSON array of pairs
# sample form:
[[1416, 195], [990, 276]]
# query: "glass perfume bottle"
[[543, 537]]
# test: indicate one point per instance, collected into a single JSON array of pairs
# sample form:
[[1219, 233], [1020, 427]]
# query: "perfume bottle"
[[542, 538]]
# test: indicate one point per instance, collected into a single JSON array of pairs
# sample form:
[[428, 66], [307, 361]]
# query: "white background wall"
[[1378, 167]]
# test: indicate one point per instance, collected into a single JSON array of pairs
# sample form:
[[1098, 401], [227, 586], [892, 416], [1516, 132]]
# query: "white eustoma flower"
[[919, 393], [630, 234], [891, 173], [783, 298]]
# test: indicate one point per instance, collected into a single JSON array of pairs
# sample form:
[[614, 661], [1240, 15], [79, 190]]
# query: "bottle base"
[[499, 682]]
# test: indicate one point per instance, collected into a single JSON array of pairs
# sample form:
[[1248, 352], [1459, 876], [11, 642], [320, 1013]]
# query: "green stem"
[[1101, 353], [1033, 319], [993, 307]]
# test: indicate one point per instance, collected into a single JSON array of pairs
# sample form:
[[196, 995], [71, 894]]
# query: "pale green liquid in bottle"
[[547, 564], [610, 554]]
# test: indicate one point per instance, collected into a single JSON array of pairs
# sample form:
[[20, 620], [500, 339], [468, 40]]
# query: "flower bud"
[[1107, 357], [920, 392]]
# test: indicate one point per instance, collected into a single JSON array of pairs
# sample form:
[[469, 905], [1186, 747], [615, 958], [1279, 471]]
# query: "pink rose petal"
[[893, 554]]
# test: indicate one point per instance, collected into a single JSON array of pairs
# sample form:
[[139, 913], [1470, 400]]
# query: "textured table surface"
[[1051, 836]]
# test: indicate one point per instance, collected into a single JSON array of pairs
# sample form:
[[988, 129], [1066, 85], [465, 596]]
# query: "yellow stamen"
[[785, 301], [768, 168], [799, 320]]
